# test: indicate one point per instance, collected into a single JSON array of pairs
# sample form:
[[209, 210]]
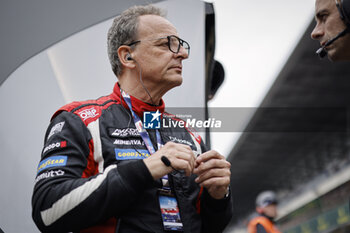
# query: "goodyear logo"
[[127, 154], [53, 161]]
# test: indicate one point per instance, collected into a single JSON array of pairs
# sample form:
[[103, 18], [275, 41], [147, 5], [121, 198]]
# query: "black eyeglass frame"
[[181, 43]]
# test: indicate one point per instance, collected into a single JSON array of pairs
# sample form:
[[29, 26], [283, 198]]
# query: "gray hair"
[[124, 30]]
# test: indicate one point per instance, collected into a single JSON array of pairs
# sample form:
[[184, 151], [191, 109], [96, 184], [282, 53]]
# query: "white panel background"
[[74, 69]]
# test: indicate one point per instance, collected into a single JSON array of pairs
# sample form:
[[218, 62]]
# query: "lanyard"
[[171, 222], [138, 123], [145, 136]]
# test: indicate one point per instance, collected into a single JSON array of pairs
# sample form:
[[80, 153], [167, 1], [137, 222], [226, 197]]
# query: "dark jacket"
[[92, 177]]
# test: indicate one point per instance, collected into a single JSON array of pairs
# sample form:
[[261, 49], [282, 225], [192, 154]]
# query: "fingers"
[[212, 154], [210, 160], [213, 173], [222, 176], [181, 156], [217, 183]]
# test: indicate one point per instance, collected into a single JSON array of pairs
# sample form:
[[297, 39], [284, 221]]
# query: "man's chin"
[[176, 81], [179, 82], [334, 56]]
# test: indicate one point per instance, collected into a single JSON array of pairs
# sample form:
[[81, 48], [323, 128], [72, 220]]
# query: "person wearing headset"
[[266, 209], [332, 29], [102, 170]]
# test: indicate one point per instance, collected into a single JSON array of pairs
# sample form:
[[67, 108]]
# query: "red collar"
[[138, 106]]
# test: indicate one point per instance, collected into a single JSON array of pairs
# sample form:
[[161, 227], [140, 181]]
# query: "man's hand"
[[181, 158], [213, 173]]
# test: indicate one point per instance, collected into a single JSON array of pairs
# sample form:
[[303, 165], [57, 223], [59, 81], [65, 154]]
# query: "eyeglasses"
[[174, 44]]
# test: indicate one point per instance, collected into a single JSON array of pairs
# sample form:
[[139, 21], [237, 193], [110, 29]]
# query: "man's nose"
[[317, 33], [184, 53]]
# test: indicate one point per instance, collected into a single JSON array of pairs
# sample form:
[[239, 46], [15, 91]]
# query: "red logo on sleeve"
[[63, 143]]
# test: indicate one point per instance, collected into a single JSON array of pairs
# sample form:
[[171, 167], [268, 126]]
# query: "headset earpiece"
[[128, 57], [344, 10]]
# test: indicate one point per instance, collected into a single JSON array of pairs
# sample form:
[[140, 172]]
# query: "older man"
[[102, 171], [332, 28]]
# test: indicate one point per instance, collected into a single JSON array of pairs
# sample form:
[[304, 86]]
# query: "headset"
[[128, 57], [344, 11]]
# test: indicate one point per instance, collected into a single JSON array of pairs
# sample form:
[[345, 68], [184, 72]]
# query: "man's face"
[[159, 65], [329, 24], [269, 210]]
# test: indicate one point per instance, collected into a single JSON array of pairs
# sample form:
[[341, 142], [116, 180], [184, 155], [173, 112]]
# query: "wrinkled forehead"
[[153, 26]]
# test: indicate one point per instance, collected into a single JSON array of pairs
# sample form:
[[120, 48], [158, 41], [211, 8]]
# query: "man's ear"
[[124, 54]]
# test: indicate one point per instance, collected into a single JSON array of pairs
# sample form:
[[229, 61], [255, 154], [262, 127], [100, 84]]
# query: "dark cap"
[[266, 198]]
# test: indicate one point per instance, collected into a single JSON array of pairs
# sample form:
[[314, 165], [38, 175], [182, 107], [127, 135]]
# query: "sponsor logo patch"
[[127, 132], [128, 154], [55, 145], [49, 174], [178, 140], [53, 161], [135, 142], [88, 113], [56, 129]]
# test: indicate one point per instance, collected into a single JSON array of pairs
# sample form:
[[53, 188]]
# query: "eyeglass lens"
[[174, 44]]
